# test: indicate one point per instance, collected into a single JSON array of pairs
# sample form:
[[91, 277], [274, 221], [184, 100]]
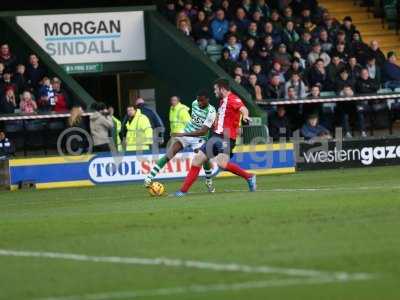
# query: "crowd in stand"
[[25, 87], [289, 49]]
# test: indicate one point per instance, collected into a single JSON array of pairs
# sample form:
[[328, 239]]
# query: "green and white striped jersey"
[[201, 117]]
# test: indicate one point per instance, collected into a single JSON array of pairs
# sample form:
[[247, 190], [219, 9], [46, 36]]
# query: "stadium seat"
[[215, 58], [214, 49], [328, 94], [384, 91]]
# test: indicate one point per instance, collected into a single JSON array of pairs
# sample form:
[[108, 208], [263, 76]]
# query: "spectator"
[[152, 115], [359, 48], [252, 30], [46, 93], [251, 48], [234, 47], [178, 115], [78, 122], [7, 82], [316, 53], [279, 124], [219, 26], [347, 110], [391, 72], [136, 132], [208, 7], [311, 108], [262, 7], [27, 104], [254, 88], [318, 75], [101, 126], [341, 51], [354, 68], [8, 102], [2, 68], [343, 80], [289, 35], [258, 71], [275, 33], [184, 27], [348, 28], [374, 51], [189, 10], [283, 57], [225, 62], [331, 26], [6, 146], [300, 89], [365, 84], [373, 70], [61, 98], [312, 130], [333, 70], [7, 58], [169, 11], [35, 72], [228, 8], [268, 43], [325, 41], [304, 46], [296, 67], [263, 59], [244, 61], [21, 79], [201, 31], [241, 20], [275, 89], [277, 70]]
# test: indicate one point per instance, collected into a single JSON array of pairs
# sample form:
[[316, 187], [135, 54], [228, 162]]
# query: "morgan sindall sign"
[[89, 38]]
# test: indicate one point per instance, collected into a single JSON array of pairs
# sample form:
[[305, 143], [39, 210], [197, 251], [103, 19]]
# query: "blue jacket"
[[219, 29], [392, 72], [309, 132]]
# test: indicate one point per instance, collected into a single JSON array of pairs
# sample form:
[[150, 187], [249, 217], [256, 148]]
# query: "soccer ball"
[[156, 189]]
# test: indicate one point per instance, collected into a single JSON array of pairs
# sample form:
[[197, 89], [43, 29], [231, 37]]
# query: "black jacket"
[[274, 92], [368, 86]]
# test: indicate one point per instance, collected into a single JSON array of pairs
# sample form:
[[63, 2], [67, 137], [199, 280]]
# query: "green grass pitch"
[[311, 235]]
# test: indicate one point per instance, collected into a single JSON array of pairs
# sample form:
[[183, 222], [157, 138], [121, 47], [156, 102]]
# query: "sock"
[[207, 169], [190, 178], [158, 166], [235, 169]]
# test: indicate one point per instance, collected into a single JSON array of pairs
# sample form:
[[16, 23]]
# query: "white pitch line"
[[190, 264], [318, 189], [197, 289]]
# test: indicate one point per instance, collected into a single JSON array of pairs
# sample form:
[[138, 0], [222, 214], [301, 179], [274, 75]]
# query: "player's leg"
[[171, 152], [224, 163], [191, 177], [208, 171]]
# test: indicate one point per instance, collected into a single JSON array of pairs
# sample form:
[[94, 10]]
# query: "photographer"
[[101, 126]]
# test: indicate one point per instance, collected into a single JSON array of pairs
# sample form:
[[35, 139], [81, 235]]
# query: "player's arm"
[[245, 114]]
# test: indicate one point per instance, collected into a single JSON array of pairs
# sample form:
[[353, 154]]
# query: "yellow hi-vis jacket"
[[139, 134], [116, 131], [178, 117]]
